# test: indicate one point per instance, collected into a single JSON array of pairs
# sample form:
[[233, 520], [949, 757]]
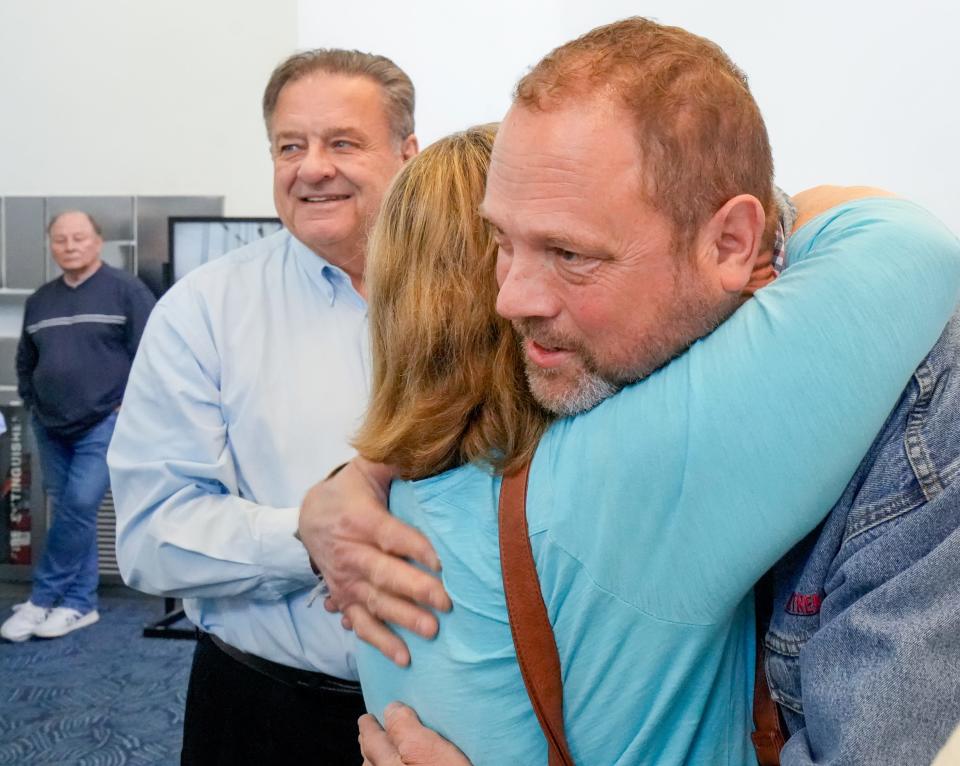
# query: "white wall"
[[854, 91], [147, 97], [139, 97]]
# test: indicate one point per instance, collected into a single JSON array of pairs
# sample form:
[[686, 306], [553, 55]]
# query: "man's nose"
[[316, 166], [526, 289]]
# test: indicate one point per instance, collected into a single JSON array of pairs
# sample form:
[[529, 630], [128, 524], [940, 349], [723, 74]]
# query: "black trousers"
[[237, 715]]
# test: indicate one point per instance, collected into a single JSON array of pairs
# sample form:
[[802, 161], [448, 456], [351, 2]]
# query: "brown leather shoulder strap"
[[537, 649], [768, 739], [532, 634]]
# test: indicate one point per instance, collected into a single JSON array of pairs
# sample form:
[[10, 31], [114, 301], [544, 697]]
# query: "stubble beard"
[[689, 316], [564, 392]]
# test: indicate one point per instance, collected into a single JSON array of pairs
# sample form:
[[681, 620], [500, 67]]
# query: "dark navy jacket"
[[76, 348], [863, 649]]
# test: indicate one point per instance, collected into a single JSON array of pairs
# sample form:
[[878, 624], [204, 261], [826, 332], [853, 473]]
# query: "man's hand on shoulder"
[[405, 742], [359, 548]]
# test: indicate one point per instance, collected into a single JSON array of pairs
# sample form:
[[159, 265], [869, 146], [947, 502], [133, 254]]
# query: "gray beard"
[[592, 388], [594, 385]]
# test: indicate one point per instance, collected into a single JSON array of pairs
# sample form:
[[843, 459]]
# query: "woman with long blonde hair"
[[651, 515], [448, 384]]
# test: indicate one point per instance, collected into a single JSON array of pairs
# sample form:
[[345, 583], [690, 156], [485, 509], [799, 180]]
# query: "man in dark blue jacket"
[[80, 333]]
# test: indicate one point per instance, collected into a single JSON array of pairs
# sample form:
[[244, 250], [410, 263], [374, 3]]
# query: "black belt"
[[301, 679]]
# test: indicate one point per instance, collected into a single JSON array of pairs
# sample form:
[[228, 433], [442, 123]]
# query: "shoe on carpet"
[[63, 620], [27, 617]]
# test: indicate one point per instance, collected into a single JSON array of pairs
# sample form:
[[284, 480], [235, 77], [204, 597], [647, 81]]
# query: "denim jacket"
[[863, 647]]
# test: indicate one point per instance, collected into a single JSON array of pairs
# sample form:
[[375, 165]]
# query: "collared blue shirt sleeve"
[[183, 528], [251, 378]]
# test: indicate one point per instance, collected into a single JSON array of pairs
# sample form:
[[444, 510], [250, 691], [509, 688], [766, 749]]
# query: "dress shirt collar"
[[332, 281]]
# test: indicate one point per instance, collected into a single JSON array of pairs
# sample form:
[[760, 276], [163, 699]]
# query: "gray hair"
[[397, 86], [93, 221]]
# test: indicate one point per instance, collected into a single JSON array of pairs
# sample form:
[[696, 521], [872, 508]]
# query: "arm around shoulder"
[[771, 414]]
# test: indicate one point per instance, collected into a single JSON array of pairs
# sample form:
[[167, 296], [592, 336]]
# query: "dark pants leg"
[[236, 715]]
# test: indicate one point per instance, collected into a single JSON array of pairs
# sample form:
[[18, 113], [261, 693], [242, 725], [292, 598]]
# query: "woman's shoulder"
[[464, 488]]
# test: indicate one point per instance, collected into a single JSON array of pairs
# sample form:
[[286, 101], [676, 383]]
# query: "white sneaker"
[[27, 617], [62, 620]]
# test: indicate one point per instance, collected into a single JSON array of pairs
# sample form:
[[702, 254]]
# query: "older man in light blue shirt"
[[250, 380], [246, 391]]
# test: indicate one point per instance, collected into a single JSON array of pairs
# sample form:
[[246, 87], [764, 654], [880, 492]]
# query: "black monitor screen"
[[194, 241]]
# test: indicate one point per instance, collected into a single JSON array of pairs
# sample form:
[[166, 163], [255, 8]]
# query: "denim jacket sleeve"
[[863, 649]]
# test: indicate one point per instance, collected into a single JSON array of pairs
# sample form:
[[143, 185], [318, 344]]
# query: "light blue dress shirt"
[[252, 375], [652, 515]]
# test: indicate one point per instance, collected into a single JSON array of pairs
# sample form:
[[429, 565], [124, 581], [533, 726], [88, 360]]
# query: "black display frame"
[[173, 220]]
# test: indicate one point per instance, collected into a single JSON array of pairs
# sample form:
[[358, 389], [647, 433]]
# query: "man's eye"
[[567, 256], [342, 144], [287, 148]]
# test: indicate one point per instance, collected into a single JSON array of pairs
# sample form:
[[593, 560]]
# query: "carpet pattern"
[[101, 696]]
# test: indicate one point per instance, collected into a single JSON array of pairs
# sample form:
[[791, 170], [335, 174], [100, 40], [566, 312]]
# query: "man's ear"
[[730, 242], [409, 148]]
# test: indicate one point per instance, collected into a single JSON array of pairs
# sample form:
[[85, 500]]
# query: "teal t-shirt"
[[652, 515]]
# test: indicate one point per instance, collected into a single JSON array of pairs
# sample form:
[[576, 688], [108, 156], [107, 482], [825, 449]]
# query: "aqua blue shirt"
[[652, 515], [251, 378]]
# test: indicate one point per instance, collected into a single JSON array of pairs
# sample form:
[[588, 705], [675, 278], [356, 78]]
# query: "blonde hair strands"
[[448, 380]]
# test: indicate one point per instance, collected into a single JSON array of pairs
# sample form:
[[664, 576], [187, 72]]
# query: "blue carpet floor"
[[101, 696]]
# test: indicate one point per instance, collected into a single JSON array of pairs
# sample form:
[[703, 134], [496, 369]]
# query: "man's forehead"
[[587, 109], [72, 223], [533, 181], [331, 96], [546, 213], [561, 156]]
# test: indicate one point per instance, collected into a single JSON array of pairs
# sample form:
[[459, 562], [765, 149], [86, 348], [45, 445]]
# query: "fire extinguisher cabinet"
[[22, 500]]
